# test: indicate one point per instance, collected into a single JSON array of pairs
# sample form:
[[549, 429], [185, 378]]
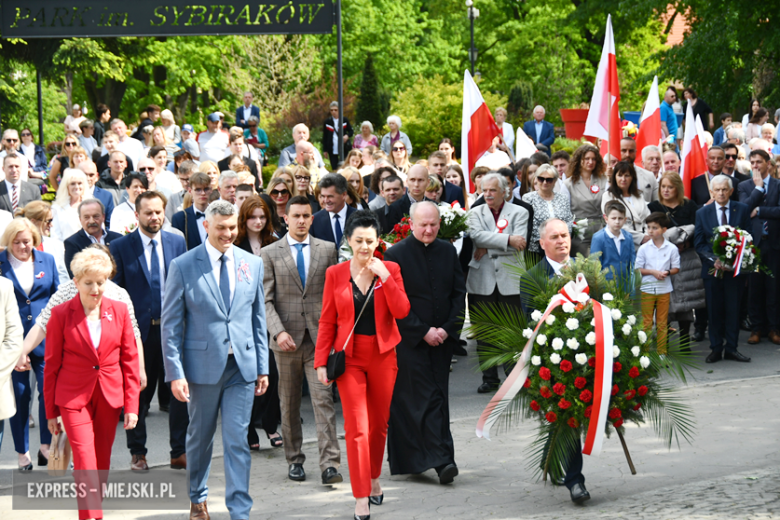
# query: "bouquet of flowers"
[[568, 361], [129, 229], [400, 231], [735, 249], [578, 227], [454, 221]]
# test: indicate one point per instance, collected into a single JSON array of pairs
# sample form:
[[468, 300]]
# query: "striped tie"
[[14, 198]]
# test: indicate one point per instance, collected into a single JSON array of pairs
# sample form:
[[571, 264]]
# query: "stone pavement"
[[731, 471]]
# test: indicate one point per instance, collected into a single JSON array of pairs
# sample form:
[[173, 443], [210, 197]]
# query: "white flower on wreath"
[[636, 351], [616, 314], [550, 320], [583, 298], [631, 320], [607, 297], [729, 255], [626, 329], [644, 361], [568, 307], [541, 340], [557, 343], [581, 358], [572, 323], [593, 322], [555, 358], [572, 343], [536, 361], [615, 352], [590, 339], [527, 333], [642, 336], [536, 315]]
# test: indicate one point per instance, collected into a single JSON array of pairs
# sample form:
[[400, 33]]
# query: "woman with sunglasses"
[[400, 159], [35, 154], [64, 160], [280, 190], [256, 137], [395, 135], [40, 214], [547, 204]]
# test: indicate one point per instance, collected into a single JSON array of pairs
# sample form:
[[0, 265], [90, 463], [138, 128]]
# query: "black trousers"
[[572, 466], [490, 375], [178, 418], [334, 161], [762, 290], [723, 304], [266, 411]]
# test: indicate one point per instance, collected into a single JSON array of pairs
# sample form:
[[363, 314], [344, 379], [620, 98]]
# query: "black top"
[[366, 326], [682, 215]]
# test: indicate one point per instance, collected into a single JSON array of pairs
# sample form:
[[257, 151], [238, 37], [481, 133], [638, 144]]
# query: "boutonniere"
[[594, 189], [243, 272], [109, 317], [378, 284], [40, 275], [502, 224]]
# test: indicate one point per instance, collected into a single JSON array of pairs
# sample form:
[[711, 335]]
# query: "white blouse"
[[66, 221], [95, 329], [24, 272]]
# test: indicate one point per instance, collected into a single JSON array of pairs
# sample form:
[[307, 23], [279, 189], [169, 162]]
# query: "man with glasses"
[[256, 137], [732, 154], [306, 156], [104, 196], [300, 132], [668, 117], [190, 220], [245, 112], [112, 178], [11, 145], [176, 201], [330, 136], [15, 193]]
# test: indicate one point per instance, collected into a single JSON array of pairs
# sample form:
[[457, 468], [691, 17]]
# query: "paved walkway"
[[732, 471]]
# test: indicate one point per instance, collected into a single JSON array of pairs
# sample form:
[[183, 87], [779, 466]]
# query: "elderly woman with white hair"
[[394, 135], [546, 203], [73, 189], [366, 136], [498, 230]]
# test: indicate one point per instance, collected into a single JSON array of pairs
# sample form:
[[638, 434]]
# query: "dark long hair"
[[275, 220], [623, 167], [247, 208], [574, 172]]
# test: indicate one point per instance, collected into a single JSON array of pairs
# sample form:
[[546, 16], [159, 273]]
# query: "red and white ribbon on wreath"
[[575, 292], [740, 254]]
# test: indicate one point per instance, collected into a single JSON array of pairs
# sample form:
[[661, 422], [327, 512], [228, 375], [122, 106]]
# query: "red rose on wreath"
[[574, 423], [615, 389], [592, 362], [637, 406], [588, 411], [527, 383], [630, 394], [545, 391], [634, 372], [551, 417], [566, 365], [544, 373], [559, 388], [563, 404], [615, 413], [535, 406], [722, 243], [586, 396], [616, 366], [724, 234], [642, 390], [618, 423], [580, 382]]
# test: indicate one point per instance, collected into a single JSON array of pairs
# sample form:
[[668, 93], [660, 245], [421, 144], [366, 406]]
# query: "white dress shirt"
[[335, 137], [556, 266], [617, 239], [65, 221], [306, 252], [123, 218], [247, 113], [24, 272], [719, 213], [664, 258], [147, 242], [342, 220]]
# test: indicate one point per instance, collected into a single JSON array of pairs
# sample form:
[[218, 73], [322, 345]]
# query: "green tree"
[[373, 102]]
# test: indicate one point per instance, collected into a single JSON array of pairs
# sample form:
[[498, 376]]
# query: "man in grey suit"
[[14, 192], [294, 282], [215, 351]]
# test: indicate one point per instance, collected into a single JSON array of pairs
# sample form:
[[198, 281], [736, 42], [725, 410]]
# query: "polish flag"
[[694, 157], [604, 116], [700, 133], [650, 133], [479, 128]]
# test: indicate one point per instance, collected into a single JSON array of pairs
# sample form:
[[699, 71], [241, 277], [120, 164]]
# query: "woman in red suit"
[[91, 372], [366, 387]]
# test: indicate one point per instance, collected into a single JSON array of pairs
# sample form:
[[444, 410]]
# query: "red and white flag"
[[700, 132], [694, 156], [604, 115], [650, 132], [479, 128]]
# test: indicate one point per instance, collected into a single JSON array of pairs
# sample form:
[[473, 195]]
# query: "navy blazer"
[[132, 273], [255, 111], [191, 233], [707, 220], [45, 283], [453, 193], [547, 137], [78, 241], [623, 262], [700, 193], [768, 201], [542, 267], [107, 198], [321, 228]]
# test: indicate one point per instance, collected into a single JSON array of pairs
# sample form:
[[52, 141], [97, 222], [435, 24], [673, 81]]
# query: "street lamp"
[[473, 15]]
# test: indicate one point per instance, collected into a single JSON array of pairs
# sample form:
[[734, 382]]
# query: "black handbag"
[[337, 359]]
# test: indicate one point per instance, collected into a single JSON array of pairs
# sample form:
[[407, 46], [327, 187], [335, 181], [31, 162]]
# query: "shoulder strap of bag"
[[186, 230], [368, 297], [628, 207]]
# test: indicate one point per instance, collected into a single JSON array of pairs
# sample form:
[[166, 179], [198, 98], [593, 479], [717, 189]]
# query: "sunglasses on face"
[[399, 149], [546, 179], [729, 156], [146, 169], [276, 193], [9, 140], [25, 134], [69, 143]]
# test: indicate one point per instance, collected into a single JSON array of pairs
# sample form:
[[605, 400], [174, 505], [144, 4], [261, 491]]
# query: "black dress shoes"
[[331, 476], [579, 494], [460, 349], [736, 356], [714, 357], [486, 388], [296, 473], [448, 473], [698, 336], [377, 500]]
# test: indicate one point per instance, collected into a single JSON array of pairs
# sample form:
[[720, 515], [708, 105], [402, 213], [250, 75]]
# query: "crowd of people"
[[165, 266]]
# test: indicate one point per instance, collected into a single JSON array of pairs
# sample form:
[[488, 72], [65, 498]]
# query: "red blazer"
[[338, 311], [73, 366]]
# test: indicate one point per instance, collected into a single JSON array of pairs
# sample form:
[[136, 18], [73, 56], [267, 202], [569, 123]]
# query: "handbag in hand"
[[59, 454], [337, 359]]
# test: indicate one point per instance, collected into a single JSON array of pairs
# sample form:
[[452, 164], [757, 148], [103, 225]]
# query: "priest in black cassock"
[[418, 436]]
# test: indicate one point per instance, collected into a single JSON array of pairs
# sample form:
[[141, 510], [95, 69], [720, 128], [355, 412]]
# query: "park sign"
[[106, 19]]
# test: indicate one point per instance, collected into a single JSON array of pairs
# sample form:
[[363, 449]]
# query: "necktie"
[[338, 229], [724, 221], [224, 282], [14, 198], [301, 264], [154, 276]]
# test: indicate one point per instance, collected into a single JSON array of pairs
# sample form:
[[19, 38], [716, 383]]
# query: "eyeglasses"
[[69, 143], [399, 149], [729, 156], [146, 169], [276, 193], [26, 134], [9, 140], [302, 178], [201, 190], [546, 179]]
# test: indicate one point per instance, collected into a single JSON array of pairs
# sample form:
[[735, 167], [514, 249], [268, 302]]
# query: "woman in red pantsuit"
[[366, 387], [91, 372]]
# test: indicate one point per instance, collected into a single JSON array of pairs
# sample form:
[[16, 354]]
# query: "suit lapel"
[[38, 273], [314, 261], [78, 315], [138, 248], [8, 272], [287, 258], [239, 295], [167, 251], [208, 275]]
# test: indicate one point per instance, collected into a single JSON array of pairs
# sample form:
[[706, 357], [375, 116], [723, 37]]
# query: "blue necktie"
[[224, 282], [154, 276], [338, 230], [301, 264]]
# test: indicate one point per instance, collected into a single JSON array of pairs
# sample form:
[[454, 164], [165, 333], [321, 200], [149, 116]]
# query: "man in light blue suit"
[[541, 131], [216, 353]]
